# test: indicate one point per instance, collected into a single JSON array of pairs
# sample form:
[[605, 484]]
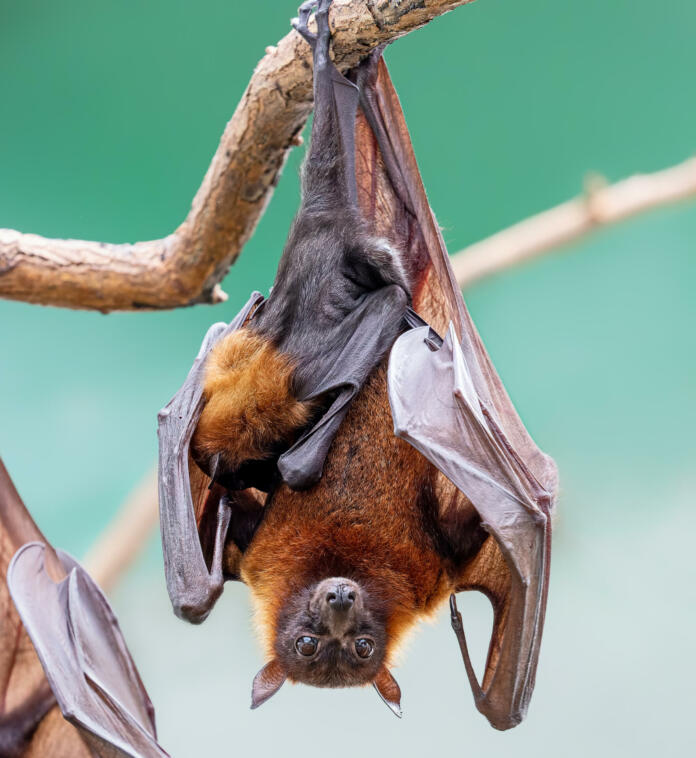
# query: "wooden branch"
[[125, 537], [601, 205], [187, 266]]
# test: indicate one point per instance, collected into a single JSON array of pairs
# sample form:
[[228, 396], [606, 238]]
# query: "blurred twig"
[[599, 206], [126, 536], [187, 266]]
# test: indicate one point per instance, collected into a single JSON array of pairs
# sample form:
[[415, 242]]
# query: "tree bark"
[[186, 267]]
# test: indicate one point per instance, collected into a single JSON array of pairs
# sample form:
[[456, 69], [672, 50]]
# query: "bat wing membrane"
[[84, 656], [371, 334], [437, 409], [448, 401], [194, 576]]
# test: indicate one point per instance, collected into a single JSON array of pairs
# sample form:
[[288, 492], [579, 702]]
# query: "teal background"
[[109, 114]]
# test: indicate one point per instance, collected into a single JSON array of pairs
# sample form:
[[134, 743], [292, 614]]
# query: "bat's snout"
[[341, 598], [337, 601]]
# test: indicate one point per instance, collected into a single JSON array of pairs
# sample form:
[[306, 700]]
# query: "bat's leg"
[[328, 176], [366, 78]]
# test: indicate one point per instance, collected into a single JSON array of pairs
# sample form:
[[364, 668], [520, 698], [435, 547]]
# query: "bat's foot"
[[301, 24]]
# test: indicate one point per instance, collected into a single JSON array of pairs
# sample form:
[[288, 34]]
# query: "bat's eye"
[[306, 645], [364, 647]]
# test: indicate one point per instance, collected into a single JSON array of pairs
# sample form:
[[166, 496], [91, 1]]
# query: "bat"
[[62, 651], [331, 450]]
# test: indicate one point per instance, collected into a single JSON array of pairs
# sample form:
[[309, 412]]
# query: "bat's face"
[[331, 634]]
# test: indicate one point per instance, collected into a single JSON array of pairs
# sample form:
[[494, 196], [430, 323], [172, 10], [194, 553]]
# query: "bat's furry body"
[[356, 523], [360, 534]]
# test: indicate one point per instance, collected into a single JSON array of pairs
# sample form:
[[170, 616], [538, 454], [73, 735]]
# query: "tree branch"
[[601, 205], [187, 266]]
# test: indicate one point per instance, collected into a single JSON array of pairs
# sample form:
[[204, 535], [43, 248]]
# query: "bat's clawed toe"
[[301, 24], [301, 28]]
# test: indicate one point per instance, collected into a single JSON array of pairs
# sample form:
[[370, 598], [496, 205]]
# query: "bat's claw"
[[301, 24], [455, 615], [303, 30]]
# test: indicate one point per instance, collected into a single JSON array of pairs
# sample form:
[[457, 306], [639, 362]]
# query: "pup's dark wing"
[[372, 329], [448, 401], [193, 519], [83, 654]]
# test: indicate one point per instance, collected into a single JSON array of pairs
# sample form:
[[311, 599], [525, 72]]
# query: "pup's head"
[[331, 634]]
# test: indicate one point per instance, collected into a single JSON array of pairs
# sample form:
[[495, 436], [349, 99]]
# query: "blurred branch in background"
[[601, 205], [126, 536], [186, 267]]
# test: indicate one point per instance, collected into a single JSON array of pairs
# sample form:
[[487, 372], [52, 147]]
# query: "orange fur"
[[249, 402], [362, 520]]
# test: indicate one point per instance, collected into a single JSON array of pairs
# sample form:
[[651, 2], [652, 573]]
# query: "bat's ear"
[[267, 682], [388, 690]]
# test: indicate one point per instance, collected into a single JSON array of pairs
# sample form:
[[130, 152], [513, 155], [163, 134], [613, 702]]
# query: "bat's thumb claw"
[[455, 615], [453, 605]]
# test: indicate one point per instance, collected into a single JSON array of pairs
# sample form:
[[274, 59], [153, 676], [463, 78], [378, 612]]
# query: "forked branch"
[[187, 266]]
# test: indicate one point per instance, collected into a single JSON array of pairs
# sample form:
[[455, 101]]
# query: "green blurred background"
[[110, 114]]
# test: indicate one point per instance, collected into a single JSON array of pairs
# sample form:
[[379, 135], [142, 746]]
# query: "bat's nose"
[[340, 598]]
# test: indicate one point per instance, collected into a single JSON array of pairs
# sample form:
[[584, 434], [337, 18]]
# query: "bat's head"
[[331, 634]]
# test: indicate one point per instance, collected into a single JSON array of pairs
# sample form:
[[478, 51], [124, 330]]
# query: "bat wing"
[[448, 401], [84, 655], [50, 606], [193, 532], [438, 409], [26, 700]]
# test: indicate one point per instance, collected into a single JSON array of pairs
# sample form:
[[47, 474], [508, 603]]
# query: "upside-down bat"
[[333, 452], [51, 607]]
